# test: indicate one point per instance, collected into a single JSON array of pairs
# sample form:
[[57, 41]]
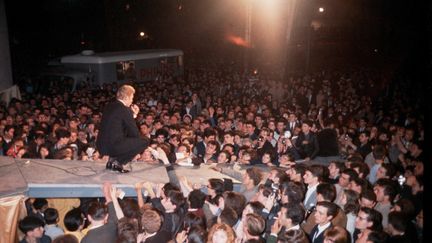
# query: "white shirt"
[[320, 230], [309, 192]]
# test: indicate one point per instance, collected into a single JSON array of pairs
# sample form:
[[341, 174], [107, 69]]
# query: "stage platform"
[[71, 179]]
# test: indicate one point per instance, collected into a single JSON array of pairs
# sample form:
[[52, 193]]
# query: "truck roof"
[[110, 57]]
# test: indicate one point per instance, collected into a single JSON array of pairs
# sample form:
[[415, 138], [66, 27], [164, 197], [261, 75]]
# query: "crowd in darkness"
[[324, 157]]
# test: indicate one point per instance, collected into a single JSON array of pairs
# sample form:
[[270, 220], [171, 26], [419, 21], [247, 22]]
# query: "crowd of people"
[[323, 157]]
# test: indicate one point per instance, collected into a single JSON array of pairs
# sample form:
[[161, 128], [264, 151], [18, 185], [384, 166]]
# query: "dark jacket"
[[106, 233], [307, 145], [119, 136], [328, 144], [319, 238]]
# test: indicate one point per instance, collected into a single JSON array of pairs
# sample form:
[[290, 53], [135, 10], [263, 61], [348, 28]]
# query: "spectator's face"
[[250, 128], [305, 128], [280, 126], [361, 221], [160, 138], [211, 149], [334, 171], [266, 158], [381, 173], [363, 138], [321, 216], [308, 177], [364, 202], [409, 134], [353, 186], [379, 192], [344, 180], [37, 232], [228, 139], [222, 158]]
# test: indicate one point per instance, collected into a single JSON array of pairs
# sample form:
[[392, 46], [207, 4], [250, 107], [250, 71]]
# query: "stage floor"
[[64, 179]]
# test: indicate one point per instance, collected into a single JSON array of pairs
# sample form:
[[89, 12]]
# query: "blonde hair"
[[125, 91], [224, 227]]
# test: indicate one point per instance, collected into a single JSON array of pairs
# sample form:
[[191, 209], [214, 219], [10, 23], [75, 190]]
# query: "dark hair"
[[229, 216], [300, 169], [66, 239], [290, 236], [294, 191], [352, 204], [327, 191], [390, 170], [30, 223], [130, 208], [256, 206], [73, 219], [369, 194], [255, 174], [377, 236], [339, 165], [197, 234], [39, 203], [363, 183], [407, 207], [379, 152], [338, 234], [332, 209], [317, 171], [191, 220], [62, 132], [169, 187], [97, 211], [209, 132], [351, 173], [196, 199], [398, 221], [362, 167], [176, 199], [217, 185], [236, 201], [127, 230], [373, 216], [51, 215], [390, 188], [295, 212]]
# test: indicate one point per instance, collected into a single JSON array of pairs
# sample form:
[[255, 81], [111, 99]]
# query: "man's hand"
[[270, 201], [106, 188], [276, 227], [135, 110]]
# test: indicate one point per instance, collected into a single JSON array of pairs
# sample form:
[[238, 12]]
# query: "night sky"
[[368, 32]]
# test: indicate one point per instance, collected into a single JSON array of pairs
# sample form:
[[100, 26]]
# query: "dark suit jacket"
[[106, 233], [320, 237], [119, 136], [310, 148], [159, 237], [200, 149], [328, 144]]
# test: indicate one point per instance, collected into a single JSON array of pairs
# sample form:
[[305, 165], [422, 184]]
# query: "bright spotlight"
[[142, 34], [321, 10]]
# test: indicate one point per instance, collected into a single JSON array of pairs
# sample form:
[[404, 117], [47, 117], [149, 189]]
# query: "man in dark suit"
[[307, 142], [151, 222], [324, 213], [98, 214], [119, 137]]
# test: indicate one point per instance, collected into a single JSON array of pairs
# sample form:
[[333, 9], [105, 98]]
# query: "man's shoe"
[[110, 163], [119, 168]]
